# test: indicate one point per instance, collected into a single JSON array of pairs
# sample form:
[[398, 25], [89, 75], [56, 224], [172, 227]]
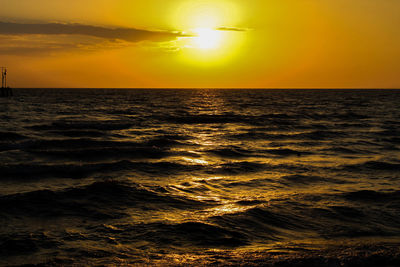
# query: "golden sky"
[[201, 43]]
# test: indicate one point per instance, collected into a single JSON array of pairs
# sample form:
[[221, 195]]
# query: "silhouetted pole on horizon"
[[5, 91], [2, 77]]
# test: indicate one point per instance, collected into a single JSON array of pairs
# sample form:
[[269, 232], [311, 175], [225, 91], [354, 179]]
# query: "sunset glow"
[[213, 44], [200, 133], [207, 38]]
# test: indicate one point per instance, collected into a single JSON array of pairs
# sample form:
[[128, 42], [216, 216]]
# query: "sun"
[[206, 38], [207, 47]]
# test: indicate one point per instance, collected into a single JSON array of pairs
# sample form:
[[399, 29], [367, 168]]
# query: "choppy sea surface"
[[262, 177]]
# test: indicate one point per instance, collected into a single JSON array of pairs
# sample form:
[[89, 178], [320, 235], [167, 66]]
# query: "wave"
[[167, 141], [236, 152], [111, 153], [202, 235], [77, 143], [349, 115], [298, 179], [250, 202], [259, 135], [44, 144], [180, 235], [11, 136], [389, 132], [161, 141], [390, 140], [313, 135], [286, 152], [254, 183], [77, 171], [322, 135], [345, 150], [373, 196], [248, 167], [79, 133], [231, 153], [262, 223], [239, 168], [83, 125], [294, 220], [100, 200], [298, 254], [162, 168], [93, 149], [192, 188], [375, 165], [281, 119], [7, 146], [26, 243], [203, 119]]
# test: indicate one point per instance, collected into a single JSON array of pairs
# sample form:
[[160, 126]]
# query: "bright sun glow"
[[206, 44], [207, 38]]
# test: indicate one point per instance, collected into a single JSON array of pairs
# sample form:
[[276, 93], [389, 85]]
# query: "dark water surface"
[[200, 176]]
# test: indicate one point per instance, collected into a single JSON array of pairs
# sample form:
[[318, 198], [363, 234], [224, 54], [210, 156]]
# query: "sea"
[[199, 177]]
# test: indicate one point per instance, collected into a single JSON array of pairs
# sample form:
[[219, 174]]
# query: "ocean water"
[[174, 177]]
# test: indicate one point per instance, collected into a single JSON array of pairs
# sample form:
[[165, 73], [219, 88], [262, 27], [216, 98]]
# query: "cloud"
[[125, 34], [234, 29], [39, 45], [53, 38], [38, 39]]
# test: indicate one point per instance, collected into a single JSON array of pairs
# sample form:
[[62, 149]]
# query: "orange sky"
[[202, 43]]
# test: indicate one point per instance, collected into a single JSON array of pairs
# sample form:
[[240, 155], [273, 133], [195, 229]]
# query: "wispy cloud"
[[234, 29], [126, 34], [50, 38], [38, 45]]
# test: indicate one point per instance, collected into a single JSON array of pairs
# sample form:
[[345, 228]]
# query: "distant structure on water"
[[5, 91]]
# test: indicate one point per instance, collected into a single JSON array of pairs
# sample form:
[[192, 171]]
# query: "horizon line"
[[216, 88]]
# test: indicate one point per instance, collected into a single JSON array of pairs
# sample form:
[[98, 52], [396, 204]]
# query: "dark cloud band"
[[126, 34], [234, 29]]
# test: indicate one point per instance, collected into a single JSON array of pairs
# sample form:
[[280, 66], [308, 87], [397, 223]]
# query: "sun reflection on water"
[[196, 161], [227, 209]]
